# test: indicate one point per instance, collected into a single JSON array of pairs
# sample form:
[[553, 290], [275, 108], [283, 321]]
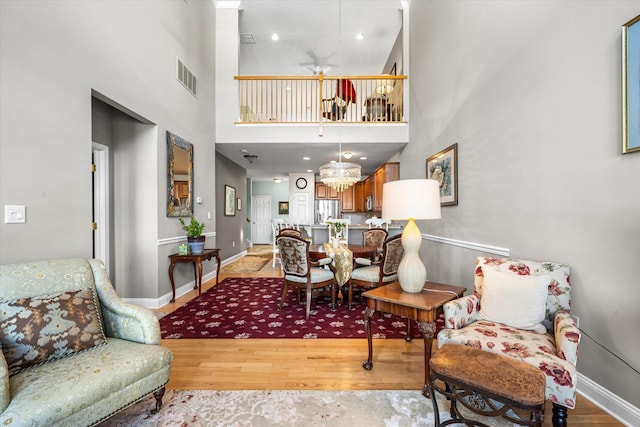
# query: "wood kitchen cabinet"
[[387, 172], [347, 198], [358, 197], [323, 192]]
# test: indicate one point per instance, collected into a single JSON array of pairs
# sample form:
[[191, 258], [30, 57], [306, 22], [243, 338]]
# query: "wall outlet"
[[576, 319]]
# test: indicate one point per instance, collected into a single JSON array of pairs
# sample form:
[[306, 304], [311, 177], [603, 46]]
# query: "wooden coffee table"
[[421, 307]]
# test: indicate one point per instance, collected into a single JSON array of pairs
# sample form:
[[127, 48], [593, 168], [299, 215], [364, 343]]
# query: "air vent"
[[247, 38], [187, 78]]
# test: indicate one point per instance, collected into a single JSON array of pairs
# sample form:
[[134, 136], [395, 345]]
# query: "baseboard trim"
[[615, 406], [480, 247], [155, 303]]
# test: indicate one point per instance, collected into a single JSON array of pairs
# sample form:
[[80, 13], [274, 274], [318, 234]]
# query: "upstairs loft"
[[320, 99], [318, 108]]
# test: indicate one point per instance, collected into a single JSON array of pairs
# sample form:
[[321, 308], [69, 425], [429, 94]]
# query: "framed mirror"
[[180, 176]]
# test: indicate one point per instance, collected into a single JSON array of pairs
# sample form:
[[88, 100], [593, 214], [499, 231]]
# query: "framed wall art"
[[443, 167], [631, 86], [283, 208], [229, 201]]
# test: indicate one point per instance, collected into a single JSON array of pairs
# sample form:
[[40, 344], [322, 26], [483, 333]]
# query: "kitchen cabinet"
[[358, 197], [386, 173], [347, 198], [324, 192]]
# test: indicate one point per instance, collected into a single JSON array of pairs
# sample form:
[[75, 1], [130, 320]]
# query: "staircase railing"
[[312, 99]]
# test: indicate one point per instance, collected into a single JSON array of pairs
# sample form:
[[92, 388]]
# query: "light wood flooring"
[[322, 364]]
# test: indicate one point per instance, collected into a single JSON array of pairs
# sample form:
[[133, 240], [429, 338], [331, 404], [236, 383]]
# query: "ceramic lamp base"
[[411, 272]]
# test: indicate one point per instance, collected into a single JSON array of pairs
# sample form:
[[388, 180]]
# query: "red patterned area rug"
[[248, 308]]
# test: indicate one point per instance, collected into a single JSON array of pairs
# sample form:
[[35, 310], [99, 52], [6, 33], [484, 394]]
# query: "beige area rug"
[[307, 408], [250, 263]]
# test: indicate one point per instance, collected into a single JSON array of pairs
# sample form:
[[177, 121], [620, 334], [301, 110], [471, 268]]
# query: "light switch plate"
[[14, 214]]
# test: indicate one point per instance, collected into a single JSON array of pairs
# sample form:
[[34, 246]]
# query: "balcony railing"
[[314, 99]]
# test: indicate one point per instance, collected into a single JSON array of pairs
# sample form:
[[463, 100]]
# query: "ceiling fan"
[[318, 63]]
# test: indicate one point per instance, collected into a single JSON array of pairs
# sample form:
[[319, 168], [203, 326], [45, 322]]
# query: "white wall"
[[531, 92], [52, 55]]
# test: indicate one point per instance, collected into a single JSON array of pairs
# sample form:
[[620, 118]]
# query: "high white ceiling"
[[314, 35]]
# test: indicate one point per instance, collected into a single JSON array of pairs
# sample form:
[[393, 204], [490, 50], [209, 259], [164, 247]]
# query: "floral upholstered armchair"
[[73, 353], [521, 309]]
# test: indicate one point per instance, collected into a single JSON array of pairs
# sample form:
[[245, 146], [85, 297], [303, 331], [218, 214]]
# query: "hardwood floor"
[[323, 364]]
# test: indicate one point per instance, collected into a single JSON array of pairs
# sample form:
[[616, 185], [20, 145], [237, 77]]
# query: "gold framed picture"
[[443, 167]]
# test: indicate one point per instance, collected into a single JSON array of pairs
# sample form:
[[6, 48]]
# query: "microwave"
[[369, 203]]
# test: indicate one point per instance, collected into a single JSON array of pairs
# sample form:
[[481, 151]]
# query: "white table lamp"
[[411, 199]]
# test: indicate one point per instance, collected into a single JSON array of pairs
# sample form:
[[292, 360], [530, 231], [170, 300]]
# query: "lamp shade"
[[411, 198]]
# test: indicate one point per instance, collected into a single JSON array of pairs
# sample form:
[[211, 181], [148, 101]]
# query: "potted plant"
[[194, 235]]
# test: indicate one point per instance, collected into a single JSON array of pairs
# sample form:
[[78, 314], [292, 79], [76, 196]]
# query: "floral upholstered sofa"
[[521, 309], [73, 353]]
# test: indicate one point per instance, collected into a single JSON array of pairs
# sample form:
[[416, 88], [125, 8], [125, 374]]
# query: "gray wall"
[[230, 235], [531, 92], [52, 55]]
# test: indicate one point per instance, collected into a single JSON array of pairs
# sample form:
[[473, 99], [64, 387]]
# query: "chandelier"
[[339, 175]]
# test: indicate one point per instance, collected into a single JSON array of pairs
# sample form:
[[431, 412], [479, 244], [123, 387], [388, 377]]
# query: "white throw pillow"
[[514, 300]]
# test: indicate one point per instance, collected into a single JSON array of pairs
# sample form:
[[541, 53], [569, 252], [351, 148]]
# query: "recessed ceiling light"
[[359, 36], [332, 161], [306, 158], [363, 158], [277, 180], [275, 37], [347, 155], [309, 170], [244, 150]]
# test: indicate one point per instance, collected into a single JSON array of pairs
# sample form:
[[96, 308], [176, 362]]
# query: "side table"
[[421, 307], [196, 259]]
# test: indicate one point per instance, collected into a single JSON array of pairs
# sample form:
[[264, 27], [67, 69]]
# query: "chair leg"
[[285, 288], [559, 418], [350, 297], [158, 395], [308, 299]]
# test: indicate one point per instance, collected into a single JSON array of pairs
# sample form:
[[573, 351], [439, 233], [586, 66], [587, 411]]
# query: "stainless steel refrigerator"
[[326, 209]]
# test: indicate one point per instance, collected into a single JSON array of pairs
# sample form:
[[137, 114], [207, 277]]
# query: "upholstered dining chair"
[[302, 273], [522, 309], [381, 272], [290, 232], [372, 237], [276, 224]]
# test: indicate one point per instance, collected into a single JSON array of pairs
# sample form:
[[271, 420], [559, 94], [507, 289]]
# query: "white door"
[[100, 176], [300, 212], [261, 220]]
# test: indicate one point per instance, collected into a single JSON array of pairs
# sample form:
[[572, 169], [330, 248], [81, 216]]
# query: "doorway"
[[100, 180], [261, 223]]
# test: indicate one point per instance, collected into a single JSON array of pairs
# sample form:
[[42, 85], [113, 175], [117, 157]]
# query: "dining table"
[[342, 257]]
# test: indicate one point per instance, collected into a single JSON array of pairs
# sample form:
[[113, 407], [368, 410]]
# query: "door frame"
[[100, 179]]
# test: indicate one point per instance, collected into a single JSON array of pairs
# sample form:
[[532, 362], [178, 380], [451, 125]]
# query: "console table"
[[196, 259], [421, 307]]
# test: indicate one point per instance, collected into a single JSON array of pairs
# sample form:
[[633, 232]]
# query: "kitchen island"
[[320, 232]]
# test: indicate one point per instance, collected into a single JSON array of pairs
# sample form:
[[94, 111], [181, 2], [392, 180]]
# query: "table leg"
[[195, 275], [199, 277], [217, 269], [368, 313], [428, 330], [173, 286]]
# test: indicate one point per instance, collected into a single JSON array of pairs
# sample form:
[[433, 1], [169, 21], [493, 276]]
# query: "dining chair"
[[302, 273], [372, 237], [378, 273], [276, 224]]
